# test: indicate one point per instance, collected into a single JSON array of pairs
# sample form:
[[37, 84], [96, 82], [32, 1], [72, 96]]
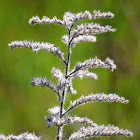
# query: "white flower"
[[45, 20], [99, 131], [80, 38], [98, 14], [57, 73], [54, 111], [36, 46], [23, 136], [98, 98]]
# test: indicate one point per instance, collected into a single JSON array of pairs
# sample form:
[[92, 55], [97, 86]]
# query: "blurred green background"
[[22, 107]]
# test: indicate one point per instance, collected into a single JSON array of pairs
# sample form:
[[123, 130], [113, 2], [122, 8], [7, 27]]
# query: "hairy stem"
[[59, 130], [67, 111], [59, 133], [73, 72], [66, 73]]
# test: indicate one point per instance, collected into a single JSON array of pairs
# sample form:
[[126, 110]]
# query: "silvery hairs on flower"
[[59, 116], [24, 136]]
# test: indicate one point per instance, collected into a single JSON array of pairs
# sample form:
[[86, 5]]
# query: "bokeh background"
[[23, 107]]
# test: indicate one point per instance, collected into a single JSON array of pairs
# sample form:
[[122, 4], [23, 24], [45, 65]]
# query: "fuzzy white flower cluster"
[[24, 136], [45, 20], [99, 131], [95, 63], [63, 81], [43, 82], [59, 76], [81, 38], [54, 111], [98, 98], [84, 74], [57, 73], [91, 28], [71, 120], [82, 15], [69, 18], [36, 46], [98, 14]]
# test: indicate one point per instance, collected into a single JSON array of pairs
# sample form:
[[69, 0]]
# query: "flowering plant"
[[76, 34]]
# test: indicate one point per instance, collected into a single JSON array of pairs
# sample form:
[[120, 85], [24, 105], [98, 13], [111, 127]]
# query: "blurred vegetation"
[[22, 107]]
